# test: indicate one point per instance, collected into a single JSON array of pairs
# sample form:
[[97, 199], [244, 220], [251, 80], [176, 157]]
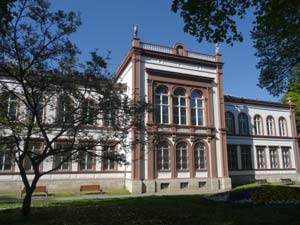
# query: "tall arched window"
[[200, 156], [89, 112], [282, 127], [197, 108], [161, 105], [270, 126], [9, 105], [258, 130], [243, 124], [163, 156], [179, 106], [181, 156], [65, 109], [229, 120]]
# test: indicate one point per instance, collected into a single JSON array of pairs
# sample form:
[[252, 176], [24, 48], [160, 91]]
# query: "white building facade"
[[195, 139]]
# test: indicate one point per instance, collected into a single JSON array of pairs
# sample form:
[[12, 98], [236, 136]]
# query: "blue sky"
[[108, 26]]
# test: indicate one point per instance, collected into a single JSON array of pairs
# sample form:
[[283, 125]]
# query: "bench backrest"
[[89, 187]]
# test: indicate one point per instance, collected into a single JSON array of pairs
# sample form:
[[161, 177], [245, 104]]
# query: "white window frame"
[[161, 149], [180, 149], [258, 129], [179, 107], [198, 149], [160, 105], [197, 108], [282, 127], [270, 126]]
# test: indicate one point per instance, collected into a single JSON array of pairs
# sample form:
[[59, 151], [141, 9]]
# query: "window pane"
[[183, 115], [175, 101], [176, 115], [165, 100], [200, 117], [182, 101], [193, 117]]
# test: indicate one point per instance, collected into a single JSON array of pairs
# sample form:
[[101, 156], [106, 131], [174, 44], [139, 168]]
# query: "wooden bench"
[[38, 189], [91, 188], [261, 181], [287, 181]]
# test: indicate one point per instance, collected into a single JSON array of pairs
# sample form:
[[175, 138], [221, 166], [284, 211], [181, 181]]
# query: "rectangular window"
[[109, 119], [5, 157], [86, 160], [62, 160], [34, 149], [109, 158], [274, 158], [286, 158], [246, 157], [261, 162], [232, 157]]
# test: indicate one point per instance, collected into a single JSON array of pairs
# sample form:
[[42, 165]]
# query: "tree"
[[275, 32], [5, 15], [293, 94], [48, 95]]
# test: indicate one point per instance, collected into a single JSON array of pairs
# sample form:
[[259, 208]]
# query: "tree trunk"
[[26, 207]]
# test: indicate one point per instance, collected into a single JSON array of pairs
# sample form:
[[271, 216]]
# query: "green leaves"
[[211, 20], [275, 32]]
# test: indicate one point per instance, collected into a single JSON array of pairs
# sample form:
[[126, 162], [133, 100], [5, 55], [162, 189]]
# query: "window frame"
[[160, 106], [282, 124], [274, 157], [286, 158], [232, 120], [63, 113], [106, 161], [271, 129], [180, 108], [258, 125], [202, 160], [160, 157], [261, 164], [246, 157], [89, 118], [7, 155], [180, 162], [198, 109], [60, 157], [232, 158], [243, 122]]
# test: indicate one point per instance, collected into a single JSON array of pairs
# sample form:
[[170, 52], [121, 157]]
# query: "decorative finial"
[[217, 48], [290, 100], [135, 31]]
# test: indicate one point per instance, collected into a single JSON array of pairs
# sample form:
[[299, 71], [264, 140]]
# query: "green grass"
[[152, 210]]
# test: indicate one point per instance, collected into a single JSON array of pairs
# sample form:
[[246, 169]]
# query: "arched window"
[[179, 106], [270, 126], [161, 105], [181, 156], [282, 127], [258, 125], [243, 124], [89, 112], [163, 156], [197, 108], [9, 105], [200, 156], [229, 120], [65, 109]]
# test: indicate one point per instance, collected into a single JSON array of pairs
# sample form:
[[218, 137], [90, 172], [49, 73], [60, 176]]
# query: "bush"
[[268, 194]]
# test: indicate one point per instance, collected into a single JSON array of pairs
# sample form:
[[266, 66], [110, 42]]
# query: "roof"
[[235, 99]]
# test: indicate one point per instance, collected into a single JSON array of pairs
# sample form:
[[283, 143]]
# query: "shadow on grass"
[[192, 209]]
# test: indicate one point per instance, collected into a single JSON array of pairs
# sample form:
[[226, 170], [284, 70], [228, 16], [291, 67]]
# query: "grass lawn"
[[153, 210]]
